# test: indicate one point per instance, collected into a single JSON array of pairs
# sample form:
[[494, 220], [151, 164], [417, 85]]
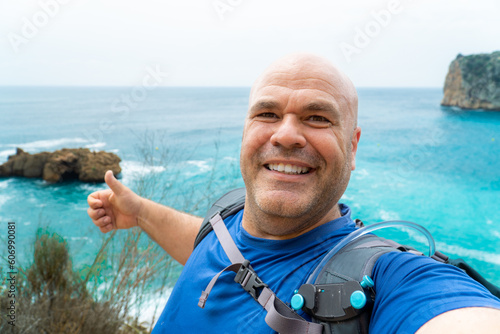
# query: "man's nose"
[[288, 133]]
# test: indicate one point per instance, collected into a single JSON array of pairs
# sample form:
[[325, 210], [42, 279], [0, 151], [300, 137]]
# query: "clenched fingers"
[[103, 221], [95, 214], [106, 228], [97, 199], [93, 201], [100, 219]]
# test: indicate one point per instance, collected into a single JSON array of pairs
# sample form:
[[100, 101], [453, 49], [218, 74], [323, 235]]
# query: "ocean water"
[[417, 161]]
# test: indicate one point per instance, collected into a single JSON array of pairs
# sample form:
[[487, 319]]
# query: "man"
[[299, 146]]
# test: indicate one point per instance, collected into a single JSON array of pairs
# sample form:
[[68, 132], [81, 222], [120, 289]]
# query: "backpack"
[[345, 277]]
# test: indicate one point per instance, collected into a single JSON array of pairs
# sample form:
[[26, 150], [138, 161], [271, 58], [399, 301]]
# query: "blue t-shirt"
[[286, 264]]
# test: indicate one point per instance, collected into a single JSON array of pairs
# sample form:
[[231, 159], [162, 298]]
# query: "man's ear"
[[354, 146]]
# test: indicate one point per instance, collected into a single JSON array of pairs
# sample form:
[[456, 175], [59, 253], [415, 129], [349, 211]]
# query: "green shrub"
[[52, 298]]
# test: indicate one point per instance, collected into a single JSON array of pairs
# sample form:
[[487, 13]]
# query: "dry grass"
[[105, 297]]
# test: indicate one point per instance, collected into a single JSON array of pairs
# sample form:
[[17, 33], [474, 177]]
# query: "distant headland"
[[61, 165], [473, 82]]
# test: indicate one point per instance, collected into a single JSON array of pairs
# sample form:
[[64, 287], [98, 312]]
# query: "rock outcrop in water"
[[473, 82], [65, 164]]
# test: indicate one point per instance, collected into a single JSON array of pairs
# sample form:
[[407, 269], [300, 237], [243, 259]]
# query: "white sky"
[[112, 42]]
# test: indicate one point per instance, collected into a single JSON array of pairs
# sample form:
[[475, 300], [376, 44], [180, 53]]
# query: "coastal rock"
[[65, 164], [473, 82]]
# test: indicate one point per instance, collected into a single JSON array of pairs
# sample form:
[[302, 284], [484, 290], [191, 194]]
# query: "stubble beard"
[[295, 212]]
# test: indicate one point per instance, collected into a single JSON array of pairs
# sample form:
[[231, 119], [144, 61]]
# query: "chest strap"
[[280, 317]]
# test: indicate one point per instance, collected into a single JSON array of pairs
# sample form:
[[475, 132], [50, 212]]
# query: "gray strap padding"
[[381, 242], [227, 205], [279, 316], [220, 229]]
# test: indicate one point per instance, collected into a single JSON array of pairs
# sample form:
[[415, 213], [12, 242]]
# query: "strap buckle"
[[249, 280]]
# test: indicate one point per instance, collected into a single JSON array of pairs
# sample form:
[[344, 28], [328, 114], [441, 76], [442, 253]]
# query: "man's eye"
[[319, 119], [268, 115]]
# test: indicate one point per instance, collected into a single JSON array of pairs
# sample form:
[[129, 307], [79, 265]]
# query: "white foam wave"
[[347, 198], [202, 165], [95, 145], [77, 207], [43, 144], [3, 199], [135, 169], [138, 168], [451, 250], [361, 174], [388, 215], [152, 306], [4, 184], [90, 188], [87, 239], [471, 253], [4, 154]]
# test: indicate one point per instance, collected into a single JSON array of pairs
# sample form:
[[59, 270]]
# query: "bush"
[[52, 298]]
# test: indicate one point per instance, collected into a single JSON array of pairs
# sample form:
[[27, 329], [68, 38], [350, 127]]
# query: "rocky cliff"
[[473, 82], [65, 164]]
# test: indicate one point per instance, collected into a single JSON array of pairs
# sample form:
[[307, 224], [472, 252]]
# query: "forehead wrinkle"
[[340, 91], [318, 103]]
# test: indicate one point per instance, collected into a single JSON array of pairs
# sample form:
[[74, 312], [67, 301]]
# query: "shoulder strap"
[[350, 264], [279, 316], [227, 205], [355, 260]]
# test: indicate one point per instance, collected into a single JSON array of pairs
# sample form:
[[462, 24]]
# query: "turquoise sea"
[[417, 161]]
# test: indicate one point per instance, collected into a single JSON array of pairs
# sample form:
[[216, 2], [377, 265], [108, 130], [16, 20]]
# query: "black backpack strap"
[[227, 205]]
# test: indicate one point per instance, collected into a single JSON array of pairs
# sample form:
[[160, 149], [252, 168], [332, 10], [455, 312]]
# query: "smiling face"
[[298, 149]]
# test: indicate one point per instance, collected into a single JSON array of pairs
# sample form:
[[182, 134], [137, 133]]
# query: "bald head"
[[298, 147], [308, 71]]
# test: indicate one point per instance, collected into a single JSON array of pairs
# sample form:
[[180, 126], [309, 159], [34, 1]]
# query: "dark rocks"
[[65, 164], [473, 82]]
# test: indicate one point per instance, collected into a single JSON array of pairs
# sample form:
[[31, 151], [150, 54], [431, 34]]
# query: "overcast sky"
[[405, 43]]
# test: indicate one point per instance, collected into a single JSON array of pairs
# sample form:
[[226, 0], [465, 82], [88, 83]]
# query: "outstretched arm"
[[121, 208]]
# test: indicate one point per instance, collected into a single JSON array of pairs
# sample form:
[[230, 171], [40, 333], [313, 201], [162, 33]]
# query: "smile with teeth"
[[288, 168]]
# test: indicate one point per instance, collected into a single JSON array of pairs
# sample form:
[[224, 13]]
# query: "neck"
[[262, 225]]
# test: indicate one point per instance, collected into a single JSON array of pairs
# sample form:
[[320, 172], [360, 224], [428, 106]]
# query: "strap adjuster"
[[249, 280]]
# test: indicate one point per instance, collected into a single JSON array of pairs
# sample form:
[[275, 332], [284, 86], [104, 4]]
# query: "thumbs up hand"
[[114, 208]]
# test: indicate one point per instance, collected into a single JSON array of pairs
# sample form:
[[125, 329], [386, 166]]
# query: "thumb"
[[116, 186]]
